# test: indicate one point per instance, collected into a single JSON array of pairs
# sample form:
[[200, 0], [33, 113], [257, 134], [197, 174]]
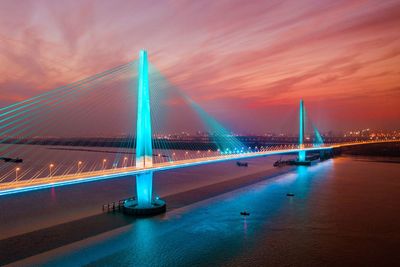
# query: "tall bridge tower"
[[144, 203], [302, 154], [144, 149]]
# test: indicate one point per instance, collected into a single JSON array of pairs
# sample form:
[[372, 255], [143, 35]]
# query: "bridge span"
[[63, 180]]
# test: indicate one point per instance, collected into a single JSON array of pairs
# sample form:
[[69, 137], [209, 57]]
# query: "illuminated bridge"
[[19, 122]]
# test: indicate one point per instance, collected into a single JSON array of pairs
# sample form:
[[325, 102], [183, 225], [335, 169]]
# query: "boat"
[[281, 163], [242, 164], [244, 213], [302, 163], [16, 160], [290, 194]]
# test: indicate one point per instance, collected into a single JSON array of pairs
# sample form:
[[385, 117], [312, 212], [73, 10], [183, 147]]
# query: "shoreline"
[[46, 239]]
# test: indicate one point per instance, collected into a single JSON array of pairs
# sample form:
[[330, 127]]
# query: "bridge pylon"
[[301, 159], [302, 154], [144, 149], [144, 204]]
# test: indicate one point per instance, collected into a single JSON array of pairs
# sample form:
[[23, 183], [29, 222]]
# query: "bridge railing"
[[197, 157]]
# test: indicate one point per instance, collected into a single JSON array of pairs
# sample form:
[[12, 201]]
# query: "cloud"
[[255, 55]]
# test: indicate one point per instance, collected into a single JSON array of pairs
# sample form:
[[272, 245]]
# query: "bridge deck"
[[47, 182]]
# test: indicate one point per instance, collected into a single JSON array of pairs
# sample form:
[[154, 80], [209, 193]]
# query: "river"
[[344, 212]]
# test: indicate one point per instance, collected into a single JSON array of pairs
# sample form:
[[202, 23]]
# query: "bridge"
[[145, 166]]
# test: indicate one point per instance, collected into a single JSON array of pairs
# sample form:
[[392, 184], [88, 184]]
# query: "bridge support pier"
[[326, 154], [144, 204], [144, 188], [302, 156], [322, 155]]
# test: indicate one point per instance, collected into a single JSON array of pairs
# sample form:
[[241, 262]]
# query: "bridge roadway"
[[55, 181]]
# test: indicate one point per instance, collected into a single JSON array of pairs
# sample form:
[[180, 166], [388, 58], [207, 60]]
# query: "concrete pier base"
[[302, 163], [131, 207]]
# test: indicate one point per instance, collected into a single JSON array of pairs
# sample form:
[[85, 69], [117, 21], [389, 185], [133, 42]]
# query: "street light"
[[50, 167], [79, 165], [16, 172], [124, 163], [104, 164]]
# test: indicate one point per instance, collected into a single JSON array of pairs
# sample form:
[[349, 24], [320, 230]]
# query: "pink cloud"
[[255, 55]]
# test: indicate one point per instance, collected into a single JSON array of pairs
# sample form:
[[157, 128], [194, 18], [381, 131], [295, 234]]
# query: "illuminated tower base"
[[144, 204], [302, 156], [144, 189], [302, 160]]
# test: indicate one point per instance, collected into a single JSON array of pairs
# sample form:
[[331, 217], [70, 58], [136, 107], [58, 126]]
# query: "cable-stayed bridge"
[[44, 117]]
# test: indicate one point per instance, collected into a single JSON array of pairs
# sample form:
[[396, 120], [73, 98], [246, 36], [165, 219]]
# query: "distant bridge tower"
[[302, 154]]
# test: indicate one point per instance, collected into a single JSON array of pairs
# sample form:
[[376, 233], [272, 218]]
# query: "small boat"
[[244, 213], [281, 163], [242, 164], [290, 194], [16, 160]]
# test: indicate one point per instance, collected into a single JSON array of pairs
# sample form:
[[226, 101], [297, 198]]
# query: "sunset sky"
[[246, 61]]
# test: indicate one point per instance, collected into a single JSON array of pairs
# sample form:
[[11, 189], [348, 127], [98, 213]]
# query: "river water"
[[345, 212]]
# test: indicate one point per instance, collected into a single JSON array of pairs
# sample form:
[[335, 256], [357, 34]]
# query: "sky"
[[248, 63]]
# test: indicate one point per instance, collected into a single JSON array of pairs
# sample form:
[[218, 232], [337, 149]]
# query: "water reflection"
[[245, 227], [53, 194], [209, 232]]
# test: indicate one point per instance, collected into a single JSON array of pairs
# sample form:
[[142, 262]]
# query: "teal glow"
[[33, 112], [144, 150], [144, 187], [222, 137], [301, 123], [318, 138], [302, 154], [56, 90]]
